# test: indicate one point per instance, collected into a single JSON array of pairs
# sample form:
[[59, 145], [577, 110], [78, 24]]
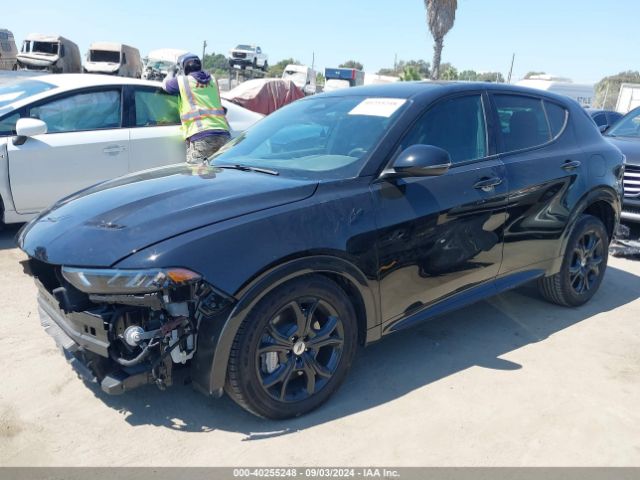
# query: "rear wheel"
[[583, 266], [265, 66], [293, 350]]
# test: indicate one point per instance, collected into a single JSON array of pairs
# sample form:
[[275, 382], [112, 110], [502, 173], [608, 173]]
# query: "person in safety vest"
[[204, 125]]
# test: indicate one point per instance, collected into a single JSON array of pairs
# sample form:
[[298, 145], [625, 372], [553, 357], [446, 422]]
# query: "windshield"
[[322, 137], [627, 126], [159, 64], [17, 90], [34, 46], [245, 47], [104, 56]]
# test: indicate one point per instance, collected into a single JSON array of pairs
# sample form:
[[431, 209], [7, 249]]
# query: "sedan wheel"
[[583, 266], [294, 349]]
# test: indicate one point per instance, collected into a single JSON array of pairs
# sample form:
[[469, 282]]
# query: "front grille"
[[239, 55], [632, 181]]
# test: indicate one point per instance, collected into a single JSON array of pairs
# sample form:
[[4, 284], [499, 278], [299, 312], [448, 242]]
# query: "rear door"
[[544, 167], [155, 135], [442, 235], [85, 144]]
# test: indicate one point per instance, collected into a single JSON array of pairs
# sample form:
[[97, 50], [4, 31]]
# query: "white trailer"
[[628, 98], [584, 94]]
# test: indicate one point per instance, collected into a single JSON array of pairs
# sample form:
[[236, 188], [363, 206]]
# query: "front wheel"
[[293, 350], [583, 265], [265, 66]]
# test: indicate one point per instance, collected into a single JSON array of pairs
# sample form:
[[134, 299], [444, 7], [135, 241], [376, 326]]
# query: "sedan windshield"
[[628, 126], [14, 90], [321, 137]]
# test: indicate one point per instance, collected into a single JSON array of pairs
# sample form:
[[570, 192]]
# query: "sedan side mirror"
[[420, 161], [603, 128], [28, 127]]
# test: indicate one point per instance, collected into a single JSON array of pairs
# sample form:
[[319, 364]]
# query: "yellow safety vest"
[[200, 107]]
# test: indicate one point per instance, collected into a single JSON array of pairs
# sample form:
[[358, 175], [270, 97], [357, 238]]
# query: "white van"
[[51, 53], [113, 59], [8, 51], [584, 94], [302, 76]]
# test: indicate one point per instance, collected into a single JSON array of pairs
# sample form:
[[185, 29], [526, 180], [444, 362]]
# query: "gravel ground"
[[509, 381]]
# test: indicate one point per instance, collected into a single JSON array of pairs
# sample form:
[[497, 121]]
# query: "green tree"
[[215, 63], [276, 70], [533, 74], [608, 89], [319, 78], [441, 15], [448, 72], [490, 77], [410, 74], [351, 64], [469, 75], [420, 66]]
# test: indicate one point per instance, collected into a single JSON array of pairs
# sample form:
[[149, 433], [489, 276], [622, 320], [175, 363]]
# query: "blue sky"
[[571, 38]]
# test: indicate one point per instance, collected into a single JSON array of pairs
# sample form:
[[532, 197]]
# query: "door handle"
[[114, 149], [487, 184], [570, 165]]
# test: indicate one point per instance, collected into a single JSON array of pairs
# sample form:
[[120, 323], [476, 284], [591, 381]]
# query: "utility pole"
[[513, 57], [313, 60], [204, 47]]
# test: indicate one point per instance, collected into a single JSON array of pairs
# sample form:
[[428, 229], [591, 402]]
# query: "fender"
[[252, 293], [600, 193]]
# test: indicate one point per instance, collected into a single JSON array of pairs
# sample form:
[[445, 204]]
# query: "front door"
[[441, 235], [155, 135], [84, 145]]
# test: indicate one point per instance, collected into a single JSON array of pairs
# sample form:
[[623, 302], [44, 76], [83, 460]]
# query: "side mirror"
[[420, 161], [603, 128], [28, 127]]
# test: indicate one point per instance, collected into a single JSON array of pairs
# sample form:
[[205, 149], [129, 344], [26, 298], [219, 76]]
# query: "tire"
[[255, 64], [297, 377], [265, 66], [583, 266]]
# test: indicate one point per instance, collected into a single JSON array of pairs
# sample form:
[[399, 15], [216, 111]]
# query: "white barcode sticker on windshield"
[[378, 107]]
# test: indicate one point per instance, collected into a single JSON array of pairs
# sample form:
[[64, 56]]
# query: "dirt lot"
[[511, 381]]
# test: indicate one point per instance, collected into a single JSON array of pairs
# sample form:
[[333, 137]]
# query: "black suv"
[[333, 222]]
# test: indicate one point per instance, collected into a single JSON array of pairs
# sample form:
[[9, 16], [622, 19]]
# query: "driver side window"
[[457, 125]]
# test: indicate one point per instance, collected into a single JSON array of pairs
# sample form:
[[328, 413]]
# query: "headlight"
[[127, 281]]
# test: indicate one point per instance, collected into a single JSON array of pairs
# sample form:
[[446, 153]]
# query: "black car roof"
[[437, 89]]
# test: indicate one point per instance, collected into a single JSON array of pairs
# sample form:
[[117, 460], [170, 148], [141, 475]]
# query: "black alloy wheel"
[[300, 349], [294, 349], [583, 266]]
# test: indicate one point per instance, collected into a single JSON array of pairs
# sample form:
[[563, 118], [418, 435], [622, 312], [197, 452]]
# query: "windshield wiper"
[[248, 168]]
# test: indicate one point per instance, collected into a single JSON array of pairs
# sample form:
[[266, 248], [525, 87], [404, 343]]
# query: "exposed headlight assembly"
[[113, 281]]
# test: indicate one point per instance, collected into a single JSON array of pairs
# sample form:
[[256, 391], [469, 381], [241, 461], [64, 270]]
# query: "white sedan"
[[62, 133]]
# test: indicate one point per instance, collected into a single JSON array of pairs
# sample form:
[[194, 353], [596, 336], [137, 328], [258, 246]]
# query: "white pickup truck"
[[248, 56]]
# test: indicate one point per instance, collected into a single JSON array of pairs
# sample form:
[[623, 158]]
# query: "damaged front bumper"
[[122, 341], [87, 355]]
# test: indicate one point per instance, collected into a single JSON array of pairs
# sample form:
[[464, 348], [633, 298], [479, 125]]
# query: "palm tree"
[[440, 17]]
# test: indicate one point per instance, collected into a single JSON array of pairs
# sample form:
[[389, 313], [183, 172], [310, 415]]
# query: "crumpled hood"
[[630, 147], [101, 67], [37, 60], [103, 224]]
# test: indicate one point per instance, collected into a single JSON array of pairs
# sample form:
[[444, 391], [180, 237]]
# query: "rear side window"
[[557, 116], [82, 111], [154, 108], [457, 125], [523, 123]]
